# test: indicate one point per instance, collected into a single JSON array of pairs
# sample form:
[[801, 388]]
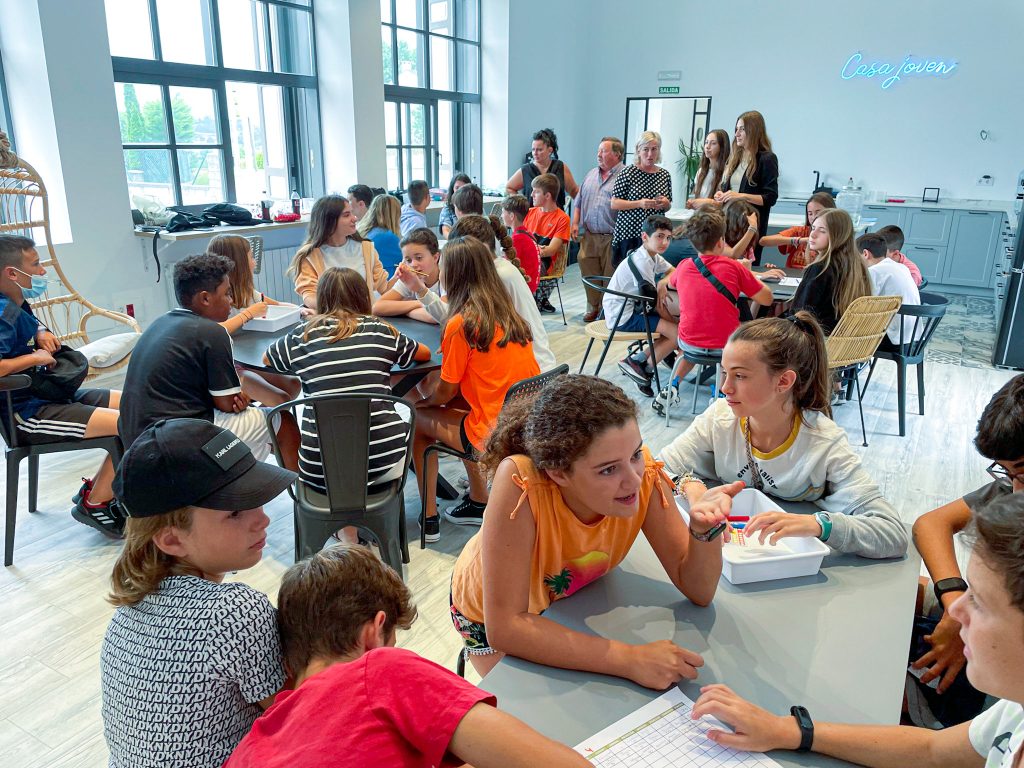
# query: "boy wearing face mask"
[[25, 344]]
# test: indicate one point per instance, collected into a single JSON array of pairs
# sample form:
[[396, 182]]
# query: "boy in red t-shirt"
[[706, 316], [514, 210], [549, 226], [358, 700]]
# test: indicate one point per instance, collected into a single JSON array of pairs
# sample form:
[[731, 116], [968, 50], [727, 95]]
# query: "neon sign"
[[855, 67]]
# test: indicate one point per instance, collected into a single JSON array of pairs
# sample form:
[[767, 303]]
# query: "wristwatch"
[[825, 521], [955, 584], [710, 534], [806, 725]]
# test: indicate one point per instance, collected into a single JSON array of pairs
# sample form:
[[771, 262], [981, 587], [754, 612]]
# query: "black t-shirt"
[[179, 365], [815, 295]]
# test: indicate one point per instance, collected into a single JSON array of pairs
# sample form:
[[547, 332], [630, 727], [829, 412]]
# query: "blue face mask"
[[38, 287]]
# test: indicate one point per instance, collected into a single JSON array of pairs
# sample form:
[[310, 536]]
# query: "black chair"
[[926, 316], [15, 452], [599, 328], [924, 282], [702, 361], [342, 422], [517, 390]]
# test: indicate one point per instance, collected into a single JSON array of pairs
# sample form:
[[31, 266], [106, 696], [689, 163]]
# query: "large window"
[[431, 51], [217, 99]]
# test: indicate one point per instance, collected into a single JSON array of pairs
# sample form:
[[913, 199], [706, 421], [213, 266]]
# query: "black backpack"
[[226, 213]]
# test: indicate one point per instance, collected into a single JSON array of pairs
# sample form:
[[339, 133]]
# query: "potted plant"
[[689, 162]]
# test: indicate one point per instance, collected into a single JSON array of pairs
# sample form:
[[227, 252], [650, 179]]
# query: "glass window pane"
[[256, 118], [186, 34], [410, 59], [441, 16], [442, 64], [149, 173], [394, 181], [385, 11], [242, 34], [194, 114], [417, 124], [467, 17], [291, 37], [471, 161], [419, 164], [407, 13], [385, 46], [129, 29], [390, 122], [469, 68], [445, 141], [202, 175], [140, 111]]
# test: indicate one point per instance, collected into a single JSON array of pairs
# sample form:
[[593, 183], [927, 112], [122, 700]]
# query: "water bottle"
[[851, 199]]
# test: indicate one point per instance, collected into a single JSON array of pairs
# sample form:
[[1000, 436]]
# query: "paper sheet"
[[661, 735], [792, 282]]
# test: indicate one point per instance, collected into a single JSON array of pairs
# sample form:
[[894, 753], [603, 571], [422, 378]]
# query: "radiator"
[[271, 278]]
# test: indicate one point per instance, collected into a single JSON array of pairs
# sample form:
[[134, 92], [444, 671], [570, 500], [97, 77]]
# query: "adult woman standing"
[[711, 170], [545, 160], [640, 190], [752, 173], [382, 226]]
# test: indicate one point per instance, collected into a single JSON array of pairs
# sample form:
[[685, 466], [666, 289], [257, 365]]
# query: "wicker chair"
[[856, 337], [555, 274], [24, 210]]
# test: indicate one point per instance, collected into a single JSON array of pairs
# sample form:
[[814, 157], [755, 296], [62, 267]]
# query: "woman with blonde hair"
[[332, 241], [641, 189], [711, 169], [752, 173], [839, 276], [382, 226]]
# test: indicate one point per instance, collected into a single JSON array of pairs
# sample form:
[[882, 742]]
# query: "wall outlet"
[[986, 181]]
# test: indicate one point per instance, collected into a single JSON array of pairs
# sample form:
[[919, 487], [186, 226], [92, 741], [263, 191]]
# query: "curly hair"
[[557, 426], [486, 229], [201, 272]]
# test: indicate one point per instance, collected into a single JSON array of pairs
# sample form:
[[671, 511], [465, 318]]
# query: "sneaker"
[[83, 491], [547, 308], [468, 512], [105, 518], [431, 528], [638, 373], [668, 397]]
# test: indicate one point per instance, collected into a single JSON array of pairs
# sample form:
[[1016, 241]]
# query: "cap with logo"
[[179, 463]]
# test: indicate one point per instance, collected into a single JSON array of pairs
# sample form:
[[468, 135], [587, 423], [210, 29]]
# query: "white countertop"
[[194, 234], [780, 220], [945, 203]]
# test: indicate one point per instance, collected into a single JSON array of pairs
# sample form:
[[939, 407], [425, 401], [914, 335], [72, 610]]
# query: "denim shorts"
[[638, 323]]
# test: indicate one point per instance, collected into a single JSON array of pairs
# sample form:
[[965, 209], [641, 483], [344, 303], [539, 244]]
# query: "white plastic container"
[[746, 562], [278, 317]]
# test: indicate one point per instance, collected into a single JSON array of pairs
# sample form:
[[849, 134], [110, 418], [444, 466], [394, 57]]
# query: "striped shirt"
[[359, 363], [595, 201]]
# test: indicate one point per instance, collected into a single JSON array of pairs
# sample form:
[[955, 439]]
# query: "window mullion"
[[154, 30], [268, 45], [218, 48], [227, 151], [165, 95]]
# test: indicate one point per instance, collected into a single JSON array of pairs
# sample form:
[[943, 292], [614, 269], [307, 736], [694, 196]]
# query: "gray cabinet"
[[928, 226], [930, 259], [885, 215], [972, 248]]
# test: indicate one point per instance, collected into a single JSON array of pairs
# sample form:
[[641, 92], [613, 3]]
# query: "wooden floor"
[[54, 613]]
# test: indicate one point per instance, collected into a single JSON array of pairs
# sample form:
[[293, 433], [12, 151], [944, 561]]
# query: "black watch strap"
[[955, 584], [803, 720]]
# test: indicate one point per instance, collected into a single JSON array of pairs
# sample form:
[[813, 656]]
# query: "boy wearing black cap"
[[188, 662]]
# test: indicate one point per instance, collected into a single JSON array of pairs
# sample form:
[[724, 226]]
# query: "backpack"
[[226, 213]]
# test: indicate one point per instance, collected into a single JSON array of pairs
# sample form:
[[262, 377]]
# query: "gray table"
[[781, 292], [836, 643]]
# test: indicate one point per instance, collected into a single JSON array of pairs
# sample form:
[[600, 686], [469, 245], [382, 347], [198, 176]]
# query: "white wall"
[[784, 59]]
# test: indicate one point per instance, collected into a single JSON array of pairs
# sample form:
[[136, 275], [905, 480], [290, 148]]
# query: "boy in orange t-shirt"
[[549, 226]]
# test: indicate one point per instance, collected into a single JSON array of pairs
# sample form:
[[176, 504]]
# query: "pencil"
[[421, 274]]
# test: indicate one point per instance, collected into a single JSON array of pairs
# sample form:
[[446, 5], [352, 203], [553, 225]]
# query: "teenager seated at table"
[[381, 226], [549, 226], [26, 343], [937, 639], [446, 219], [513, 277], [414, 211], [332, 241], [188, 662], [468, 199], [573, 487], [794, 242], [485, 349], [248, 303], [706, 316], [773, 431], [890, 278], [839, 276], [644, 266], [991, 613], [421, 257], [514, 210], [182, 366], [894, 244]]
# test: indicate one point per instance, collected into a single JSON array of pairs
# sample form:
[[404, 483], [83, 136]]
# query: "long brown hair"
[[476, 292], [486, 229], [322, 221], [736, 222], [142, 565], [341, 297], [757, 140], [385, 212], [824, 199], [557, 426], [717, 169], [797, 344], [842, 257], [236, 248]]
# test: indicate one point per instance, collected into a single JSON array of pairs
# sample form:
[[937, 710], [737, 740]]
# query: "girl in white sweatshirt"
[[773, 431]]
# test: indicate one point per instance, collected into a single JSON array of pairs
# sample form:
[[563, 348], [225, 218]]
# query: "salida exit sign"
[[667, 89]]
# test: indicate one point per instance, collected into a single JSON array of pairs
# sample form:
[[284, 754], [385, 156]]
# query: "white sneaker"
[[668, 397]]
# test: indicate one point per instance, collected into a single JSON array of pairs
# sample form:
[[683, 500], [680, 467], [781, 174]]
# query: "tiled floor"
[[966, 335]]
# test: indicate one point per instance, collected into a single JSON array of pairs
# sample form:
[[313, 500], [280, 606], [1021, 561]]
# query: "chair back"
[[926, 320], [600, 284], [933, 298], [557, 270], [342, 424], [860, 330], [8, 385], [535, 384]]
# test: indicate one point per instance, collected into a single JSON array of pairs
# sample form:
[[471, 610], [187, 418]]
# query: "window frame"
[[6, 124], [168, 74], [466, 143]]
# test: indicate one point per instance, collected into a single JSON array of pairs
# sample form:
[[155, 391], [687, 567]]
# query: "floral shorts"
[[473, 633]]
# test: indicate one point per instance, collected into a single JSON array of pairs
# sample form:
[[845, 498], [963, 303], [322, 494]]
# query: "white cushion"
[[110, 350]]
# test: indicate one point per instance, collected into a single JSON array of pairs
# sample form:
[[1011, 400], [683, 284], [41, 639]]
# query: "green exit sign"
[[664, 89]]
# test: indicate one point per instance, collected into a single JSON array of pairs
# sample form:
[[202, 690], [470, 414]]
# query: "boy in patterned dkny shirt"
[[188, 662]]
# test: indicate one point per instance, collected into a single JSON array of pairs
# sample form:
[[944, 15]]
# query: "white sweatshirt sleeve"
[[436, 308]]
